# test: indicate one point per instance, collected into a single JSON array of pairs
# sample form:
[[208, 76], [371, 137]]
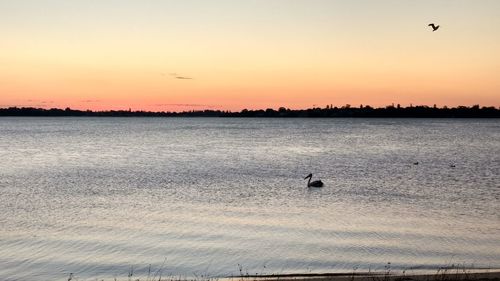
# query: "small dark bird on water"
[[452, 165], [415, 163], [317, 183], [434, 27]]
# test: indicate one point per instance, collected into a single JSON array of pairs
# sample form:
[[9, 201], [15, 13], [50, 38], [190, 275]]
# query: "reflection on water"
[[98, 197]]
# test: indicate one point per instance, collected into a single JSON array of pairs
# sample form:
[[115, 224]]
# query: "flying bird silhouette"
[[434, 27]]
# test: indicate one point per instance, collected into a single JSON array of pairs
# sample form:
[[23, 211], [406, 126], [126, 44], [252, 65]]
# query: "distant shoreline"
[[439, 276], [327, 112]]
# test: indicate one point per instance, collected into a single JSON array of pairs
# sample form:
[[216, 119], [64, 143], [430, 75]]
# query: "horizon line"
[[212, 109]]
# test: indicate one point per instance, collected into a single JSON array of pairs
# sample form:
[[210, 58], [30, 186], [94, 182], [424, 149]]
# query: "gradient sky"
[[116, 54]]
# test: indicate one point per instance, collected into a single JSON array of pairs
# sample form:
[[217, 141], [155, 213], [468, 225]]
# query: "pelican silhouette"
[[317, 183], [434, 27]]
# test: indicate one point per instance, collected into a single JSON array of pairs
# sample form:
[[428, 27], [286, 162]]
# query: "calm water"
[[191, 197]]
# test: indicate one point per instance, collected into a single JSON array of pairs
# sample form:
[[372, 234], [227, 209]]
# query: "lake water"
[[102, 197]]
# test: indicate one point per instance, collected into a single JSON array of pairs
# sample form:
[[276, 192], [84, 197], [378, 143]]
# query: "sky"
[[229, 54]]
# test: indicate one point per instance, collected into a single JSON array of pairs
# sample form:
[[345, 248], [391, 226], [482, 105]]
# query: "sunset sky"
[[119, 54]]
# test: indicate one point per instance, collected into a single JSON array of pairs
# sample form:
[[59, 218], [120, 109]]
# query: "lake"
[[109, 197]]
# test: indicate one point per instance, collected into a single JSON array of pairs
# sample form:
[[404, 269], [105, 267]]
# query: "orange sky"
[[248, 54]]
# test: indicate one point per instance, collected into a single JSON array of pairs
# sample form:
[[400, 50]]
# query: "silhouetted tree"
[[345, 111]]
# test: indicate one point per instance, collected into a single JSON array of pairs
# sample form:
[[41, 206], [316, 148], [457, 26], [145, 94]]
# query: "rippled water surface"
[[100, 197]]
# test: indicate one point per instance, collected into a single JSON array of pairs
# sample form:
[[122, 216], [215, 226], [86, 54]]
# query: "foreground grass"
[[449, 273]]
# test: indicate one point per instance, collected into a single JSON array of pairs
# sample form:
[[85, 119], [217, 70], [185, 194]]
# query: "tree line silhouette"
[[329, 111]]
